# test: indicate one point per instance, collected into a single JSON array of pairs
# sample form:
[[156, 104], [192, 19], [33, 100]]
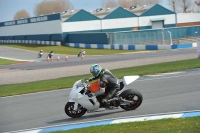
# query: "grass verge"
[[181, 125], [6, 62], [66, 50], [54, 84]]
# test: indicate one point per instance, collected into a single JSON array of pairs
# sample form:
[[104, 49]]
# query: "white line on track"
[[17, 59], [39, 128], [168, 77], [36, 93], [164, 74]]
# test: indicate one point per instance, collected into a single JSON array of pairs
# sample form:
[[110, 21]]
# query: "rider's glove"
[[88, 80], [91, 94]]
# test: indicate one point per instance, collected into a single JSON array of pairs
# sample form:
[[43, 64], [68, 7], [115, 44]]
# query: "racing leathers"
[[109, 85]]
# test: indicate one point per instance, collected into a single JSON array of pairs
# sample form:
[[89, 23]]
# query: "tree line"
[[56, 6], [46, 7]]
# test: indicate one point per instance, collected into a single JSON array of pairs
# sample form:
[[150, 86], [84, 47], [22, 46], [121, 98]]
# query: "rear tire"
[[74, 113], [131, 95]]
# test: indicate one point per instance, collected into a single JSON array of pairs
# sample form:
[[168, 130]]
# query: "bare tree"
[[109, 3], [148, 2], [173, 4], [52, 6], [184, 5], [143, 2], [21, 14], [125, 3]]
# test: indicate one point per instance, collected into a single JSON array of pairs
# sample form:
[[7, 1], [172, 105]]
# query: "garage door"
[[157, 24]]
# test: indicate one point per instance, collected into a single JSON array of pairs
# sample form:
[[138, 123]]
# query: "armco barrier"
[[32, 42], [132, 47]]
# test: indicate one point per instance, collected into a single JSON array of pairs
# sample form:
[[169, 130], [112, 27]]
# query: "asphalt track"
[[162, 93], [74, 60], [43, 70]]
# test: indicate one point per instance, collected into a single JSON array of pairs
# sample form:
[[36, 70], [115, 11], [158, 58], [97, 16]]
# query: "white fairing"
[[84, 100], [129, 79], [74, 91]]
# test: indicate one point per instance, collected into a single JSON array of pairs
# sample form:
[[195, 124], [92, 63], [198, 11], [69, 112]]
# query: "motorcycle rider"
[[109, 84], [40, 54]]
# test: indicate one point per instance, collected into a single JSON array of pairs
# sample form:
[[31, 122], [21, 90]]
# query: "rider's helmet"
[[95, 70]]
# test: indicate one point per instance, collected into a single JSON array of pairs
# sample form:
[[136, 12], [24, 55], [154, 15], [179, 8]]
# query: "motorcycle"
[[80, 103]]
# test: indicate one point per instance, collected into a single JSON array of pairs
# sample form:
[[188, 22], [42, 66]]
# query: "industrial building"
[[146, 24]]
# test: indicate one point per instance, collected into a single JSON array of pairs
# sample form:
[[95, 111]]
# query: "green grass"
[[65, 49], [6, 62], [54, 84], [159, 68], [181, 125]]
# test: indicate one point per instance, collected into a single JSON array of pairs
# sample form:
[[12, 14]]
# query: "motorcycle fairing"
[[129, 79]]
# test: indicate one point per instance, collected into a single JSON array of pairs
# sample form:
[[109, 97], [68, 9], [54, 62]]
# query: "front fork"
[[75, 104]]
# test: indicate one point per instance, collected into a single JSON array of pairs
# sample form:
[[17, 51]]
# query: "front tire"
[[74, 113], [131, 95]]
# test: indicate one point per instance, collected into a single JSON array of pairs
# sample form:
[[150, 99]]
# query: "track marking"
[[168, 77], [180, 114], [35, 93], [164, 74], [16, 59]]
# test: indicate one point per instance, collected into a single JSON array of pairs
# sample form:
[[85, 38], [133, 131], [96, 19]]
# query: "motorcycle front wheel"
[[134, 96], [74, 113]]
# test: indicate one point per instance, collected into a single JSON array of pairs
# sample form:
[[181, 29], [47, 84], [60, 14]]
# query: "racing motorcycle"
[[80, 102]]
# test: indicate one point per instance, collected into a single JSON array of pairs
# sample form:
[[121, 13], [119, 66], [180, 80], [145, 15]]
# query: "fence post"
[[196, 35], [170, 37], [125, 38], [133, 37], [121, 38], [146, 37], [139, 37], [154, 36], [163, 39], [110, 38]]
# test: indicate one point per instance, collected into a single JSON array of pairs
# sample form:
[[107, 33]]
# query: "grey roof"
[[67, 14], [102, 12], [137, 10]]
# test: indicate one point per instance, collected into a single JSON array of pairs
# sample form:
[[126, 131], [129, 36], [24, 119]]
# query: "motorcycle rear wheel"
[[74, 113], [132, 95]]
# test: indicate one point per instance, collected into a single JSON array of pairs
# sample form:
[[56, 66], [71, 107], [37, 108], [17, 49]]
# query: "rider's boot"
[[107, 104]]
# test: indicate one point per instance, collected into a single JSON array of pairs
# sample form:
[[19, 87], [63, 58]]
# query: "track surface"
[[74, 60], [36, 71], [162, 94], [169, 93]]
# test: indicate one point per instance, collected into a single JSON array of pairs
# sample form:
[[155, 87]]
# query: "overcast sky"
[[8, 8]]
